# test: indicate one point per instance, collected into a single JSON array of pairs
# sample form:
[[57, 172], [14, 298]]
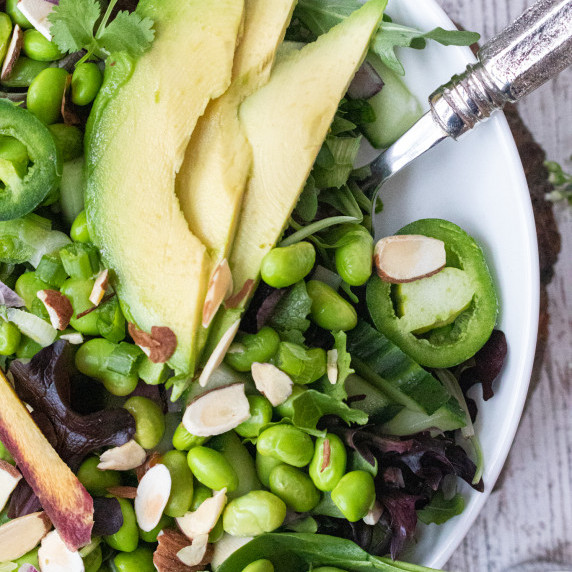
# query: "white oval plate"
[[479, 184]]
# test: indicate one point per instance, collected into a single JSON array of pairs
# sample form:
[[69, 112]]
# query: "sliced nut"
[[159, 345], [332, 367], [55, 556], [122, 492], [218, 354], [217, 411], [203, 520], [99, 287], [75, 338], [124, 458], [19, 536], [226, 546], [374, 514], [171, 542], [220, 287], [408, 257], [236, 299], [37, 12], [13, 52], [273, 383], [58, 306], [9, 478], [194, 554], [153, 459], [152, 496]]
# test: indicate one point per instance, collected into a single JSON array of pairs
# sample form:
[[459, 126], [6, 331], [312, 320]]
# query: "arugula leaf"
[[440, 510], [290, 318], [73, 23]]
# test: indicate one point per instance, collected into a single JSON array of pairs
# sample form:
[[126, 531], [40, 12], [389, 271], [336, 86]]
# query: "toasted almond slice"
[[74, 338], [171, 542], [332, 367], [55, 556], [272, 382], [13, 52], [122, 492], [9, 478], [408, 257], [220, 287], [123, 458], [152, 496], [158, 346], [194, 554], [19, 536], [37, 12], [99, 287], [58, 306], [217, 411], [203, 520], [218, 354], [226, 546], [374, 514]]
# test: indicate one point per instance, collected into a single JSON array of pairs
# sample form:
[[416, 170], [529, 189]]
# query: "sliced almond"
[[37, 12], [236, 299], [272, 382], [122, 492], [74, 338], [218, 354], [194, 554], [332, 366], [408, 257], [171, 542], [226, 546], [159, 345], [55, 556], [124, 458], [9, 478], [58, 306], [152, 496], [99, 287], [374, 514], [204, 519], [217, 411], [13, 52], [219, 288], [20, 535]]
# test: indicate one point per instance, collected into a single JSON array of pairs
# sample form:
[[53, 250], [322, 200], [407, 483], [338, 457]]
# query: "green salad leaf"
[[290, 317], [440, 509]]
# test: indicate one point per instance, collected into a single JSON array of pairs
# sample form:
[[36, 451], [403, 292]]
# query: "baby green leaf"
[[440, 510]]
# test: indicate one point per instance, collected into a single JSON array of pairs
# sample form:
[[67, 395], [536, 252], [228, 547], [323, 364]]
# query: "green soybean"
[[24, 72], [181, 495], [212, 469], [284, 266], [39, 48], [140, 560], [78, 291], [329, 462], [254, 513], [329, 310], [17, 17], [94, 480], [262, 565], [264, 466], [354, 259], [287, 444], [354, 495], [250, 348], [201, 494], [79, 230], [151, 536], [69, 140], [5, 33], [260, 415], [183, 440], [302, 365], [294, 487], [126, 538], [92, 562], [27, 287], [149, 421], [10, 338], [86, 83], [46, 93], [91, 360]]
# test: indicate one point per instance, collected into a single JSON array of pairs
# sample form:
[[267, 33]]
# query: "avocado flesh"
[[218, 160], [135, 141], [435, 301], [286, 123]]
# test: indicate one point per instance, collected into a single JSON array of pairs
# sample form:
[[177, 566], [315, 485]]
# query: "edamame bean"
[[39, 48], [149, 421], [294, 487], [329, 310], [17, 17], [79, 230], [69, 140], [91, 359], [45, 94], [28, 348], [183, 440], [250, 348], [354, 495], [286, 409], [10, 338], [262, 565], [181, 495], [212, 469], [27, 287], [140, 560], [5, 34], [78, 291], [94, 480], [92, 562], [126, 538], [151, 536], [86, 82], [260, 415], [24, 72], [287, 444], [354, 259], [254, 513], [302, 365], [264, 466], [284, 266], [200, 495], [328, 463]]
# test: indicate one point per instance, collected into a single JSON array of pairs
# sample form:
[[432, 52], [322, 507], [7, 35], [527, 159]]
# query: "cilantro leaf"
[[290, 318], [127, 32], [72, 24]]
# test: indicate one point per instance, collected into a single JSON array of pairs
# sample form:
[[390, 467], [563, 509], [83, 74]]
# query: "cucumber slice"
[[396, 108], [385, 366], [378, 406]]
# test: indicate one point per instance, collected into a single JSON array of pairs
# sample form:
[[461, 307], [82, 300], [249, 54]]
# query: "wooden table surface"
[[529, 515]]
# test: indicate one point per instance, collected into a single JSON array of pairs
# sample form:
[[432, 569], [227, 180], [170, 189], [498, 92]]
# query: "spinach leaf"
[[290, 318], [440, 510]]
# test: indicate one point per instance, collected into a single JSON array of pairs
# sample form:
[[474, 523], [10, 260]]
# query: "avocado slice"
[[218, 159], [137, 133]]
